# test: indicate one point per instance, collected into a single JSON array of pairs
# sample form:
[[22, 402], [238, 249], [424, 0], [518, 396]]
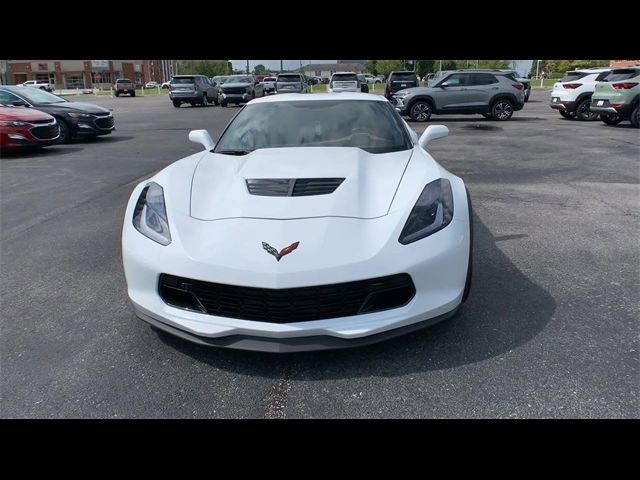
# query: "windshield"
[[239, 79], [403, 77], [269, 79], [35, 95], [370, 125], [289, 78], [572, 76], [220, 79], [123, 80]]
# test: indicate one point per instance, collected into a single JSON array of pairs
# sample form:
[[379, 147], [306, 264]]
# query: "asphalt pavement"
[[550, 328]]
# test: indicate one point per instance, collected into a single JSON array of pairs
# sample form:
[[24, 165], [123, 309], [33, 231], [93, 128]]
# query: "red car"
[[25, 127]]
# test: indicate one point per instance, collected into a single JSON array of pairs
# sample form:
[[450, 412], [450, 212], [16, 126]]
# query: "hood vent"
[[292, 187]]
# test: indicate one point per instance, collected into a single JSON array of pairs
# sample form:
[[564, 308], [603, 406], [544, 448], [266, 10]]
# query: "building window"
[[43, 66], [101, 77], [74, 80]]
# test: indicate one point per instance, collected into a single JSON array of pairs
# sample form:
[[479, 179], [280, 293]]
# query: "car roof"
[[591, 70], [402, 71], [350, 73], [319, 97]]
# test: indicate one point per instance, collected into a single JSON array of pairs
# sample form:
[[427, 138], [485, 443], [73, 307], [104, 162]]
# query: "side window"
[[601, 76], [483, 79], [7, 98], [456, 80]]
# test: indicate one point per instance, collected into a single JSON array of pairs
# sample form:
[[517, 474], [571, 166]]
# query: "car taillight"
[[571, 86], [519, 86], [624, 85]]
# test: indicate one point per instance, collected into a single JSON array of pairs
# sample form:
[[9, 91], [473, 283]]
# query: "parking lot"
[[550, 328]]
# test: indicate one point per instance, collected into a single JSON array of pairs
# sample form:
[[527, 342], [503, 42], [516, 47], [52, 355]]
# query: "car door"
[[480, 89], [451, 92]]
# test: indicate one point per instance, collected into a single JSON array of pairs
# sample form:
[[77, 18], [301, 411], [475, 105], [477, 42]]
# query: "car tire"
[[216, 101], [420, 111], [583, 112], [133, 94], [117, 94], [467, 284], [502, 109], [176, 103], [611, 118], [635, 117], [65, 132], [567, 115], [205, 101], [224, 103]]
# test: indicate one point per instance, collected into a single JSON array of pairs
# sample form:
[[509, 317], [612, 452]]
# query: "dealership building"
[[70, 74]]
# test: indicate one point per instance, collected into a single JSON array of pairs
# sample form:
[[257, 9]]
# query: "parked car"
[[124, 85], [438, 76], [316, 221], [325, 80], [76, 119], [617, 97], [292, 83], [152, 85], [370, 79], [26, 128], [382, 78], [239, 89], [493, 94], [571, 96], [166, 84], [347, 82], [269, 85], [219, 80], [192, 89], [399, 81], [38, 84], [362, 83], [524, 81], [260, 78]]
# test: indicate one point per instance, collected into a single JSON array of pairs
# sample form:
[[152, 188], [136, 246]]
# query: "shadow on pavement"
[[40, 152], [504, 310]]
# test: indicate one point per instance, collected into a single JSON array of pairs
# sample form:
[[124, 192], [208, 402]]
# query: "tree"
[[385, 67], [558, 67], [425, 66], [260, 70], [448, 64], [371, 66], [210, 68]]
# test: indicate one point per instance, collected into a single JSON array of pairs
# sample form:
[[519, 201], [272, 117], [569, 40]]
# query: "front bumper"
[[92, 127], [437, 265], [235, 97]]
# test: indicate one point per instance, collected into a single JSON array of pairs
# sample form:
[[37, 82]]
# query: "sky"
[[522, 66]]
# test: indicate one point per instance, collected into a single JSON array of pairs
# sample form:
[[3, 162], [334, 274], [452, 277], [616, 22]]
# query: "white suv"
[[344, 82], [571, 96]]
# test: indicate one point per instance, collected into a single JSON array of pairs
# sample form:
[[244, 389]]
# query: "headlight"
[[150, 215], [432, 212], [80, 115], [11, 123], [401, 94]]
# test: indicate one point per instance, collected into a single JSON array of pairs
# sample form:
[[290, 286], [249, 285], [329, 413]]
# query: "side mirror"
[[202, 137], [433, 132], [444, 84]]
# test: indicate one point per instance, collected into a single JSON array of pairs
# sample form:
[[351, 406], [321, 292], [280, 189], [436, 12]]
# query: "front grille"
[[292, 187], [105, 122], [46, 132], [288, 305], [234, 90]]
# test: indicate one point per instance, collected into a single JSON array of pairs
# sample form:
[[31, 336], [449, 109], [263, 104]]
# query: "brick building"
[[69, 74], [623, 63]]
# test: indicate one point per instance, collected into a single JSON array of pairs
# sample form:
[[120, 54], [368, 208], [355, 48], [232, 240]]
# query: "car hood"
[[23, 114], [71, 107], [219, 189]]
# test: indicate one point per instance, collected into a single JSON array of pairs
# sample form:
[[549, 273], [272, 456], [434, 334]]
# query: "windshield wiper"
[[234, 152]]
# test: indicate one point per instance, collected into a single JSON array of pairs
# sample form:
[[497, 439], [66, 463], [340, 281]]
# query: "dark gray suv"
[[492, 94], [193, 89]]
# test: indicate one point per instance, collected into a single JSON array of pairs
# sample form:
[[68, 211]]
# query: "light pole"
[[538, 69], [247, 67]]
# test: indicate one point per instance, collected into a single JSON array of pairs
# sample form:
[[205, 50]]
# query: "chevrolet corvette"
[[315, 222]]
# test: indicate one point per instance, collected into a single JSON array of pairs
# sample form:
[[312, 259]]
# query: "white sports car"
[[317, 221]]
